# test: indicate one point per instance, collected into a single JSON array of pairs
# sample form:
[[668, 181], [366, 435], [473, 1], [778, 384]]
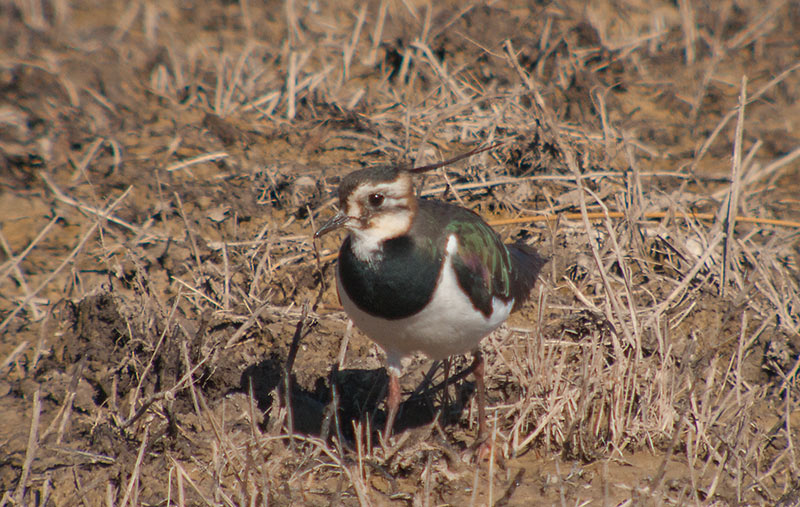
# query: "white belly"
[[448, 325]]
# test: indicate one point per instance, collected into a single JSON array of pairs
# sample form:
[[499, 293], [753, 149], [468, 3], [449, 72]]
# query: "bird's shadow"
[[345, 398]]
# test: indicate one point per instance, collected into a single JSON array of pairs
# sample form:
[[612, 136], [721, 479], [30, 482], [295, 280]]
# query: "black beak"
[[338, 220]]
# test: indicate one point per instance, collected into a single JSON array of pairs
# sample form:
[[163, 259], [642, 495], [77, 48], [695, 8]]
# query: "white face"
[[379, 211]]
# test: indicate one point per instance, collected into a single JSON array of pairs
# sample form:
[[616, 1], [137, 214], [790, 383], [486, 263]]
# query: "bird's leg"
[[446, 395], [392, 404], [478, 369]]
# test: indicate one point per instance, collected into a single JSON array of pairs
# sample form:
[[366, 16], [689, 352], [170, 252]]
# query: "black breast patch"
[[397, 285]]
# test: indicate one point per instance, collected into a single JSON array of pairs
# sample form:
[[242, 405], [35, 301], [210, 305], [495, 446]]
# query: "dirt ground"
[[170, 332]]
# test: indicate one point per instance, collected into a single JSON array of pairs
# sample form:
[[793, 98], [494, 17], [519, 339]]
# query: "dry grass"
[[169, 331]]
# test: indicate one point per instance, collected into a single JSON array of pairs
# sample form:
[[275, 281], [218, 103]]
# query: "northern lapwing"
[[418, 275]]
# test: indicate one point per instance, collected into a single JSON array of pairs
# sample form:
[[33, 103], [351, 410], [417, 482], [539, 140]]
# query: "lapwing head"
[[375, 204], [378, 203]]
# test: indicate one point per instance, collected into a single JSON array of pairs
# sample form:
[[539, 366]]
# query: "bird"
[[420, 275]]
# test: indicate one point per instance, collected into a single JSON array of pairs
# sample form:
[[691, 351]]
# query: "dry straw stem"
[[654, 215], [207, 157], [19, 275], [13, 355], [131, 492], [731, 204], [12, 264], [100, 214], [30, 451]]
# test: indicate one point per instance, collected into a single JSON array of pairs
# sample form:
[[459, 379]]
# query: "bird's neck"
[[367, 242]]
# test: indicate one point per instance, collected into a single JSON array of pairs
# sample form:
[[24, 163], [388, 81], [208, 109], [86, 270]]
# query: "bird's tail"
[[526, 264]]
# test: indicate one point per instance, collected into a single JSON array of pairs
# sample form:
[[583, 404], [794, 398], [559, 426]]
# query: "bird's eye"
[[375, 200]]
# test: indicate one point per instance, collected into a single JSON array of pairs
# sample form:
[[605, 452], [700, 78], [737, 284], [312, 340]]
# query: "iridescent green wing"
[[482, 263]]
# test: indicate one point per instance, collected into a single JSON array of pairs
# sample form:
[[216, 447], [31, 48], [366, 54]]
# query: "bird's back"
[[486, 268]]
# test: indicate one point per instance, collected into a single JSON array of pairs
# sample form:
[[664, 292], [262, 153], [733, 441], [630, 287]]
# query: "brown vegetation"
[[169, 334]]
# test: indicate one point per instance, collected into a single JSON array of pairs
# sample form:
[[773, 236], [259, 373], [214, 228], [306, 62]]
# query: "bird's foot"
[[483, 450]]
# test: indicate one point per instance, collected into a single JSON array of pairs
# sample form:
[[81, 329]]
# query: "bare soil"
[[169, 330]]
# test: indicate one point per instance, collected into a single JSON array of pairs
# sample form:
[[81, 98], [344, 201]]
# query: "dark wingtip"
[[526, 265]]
